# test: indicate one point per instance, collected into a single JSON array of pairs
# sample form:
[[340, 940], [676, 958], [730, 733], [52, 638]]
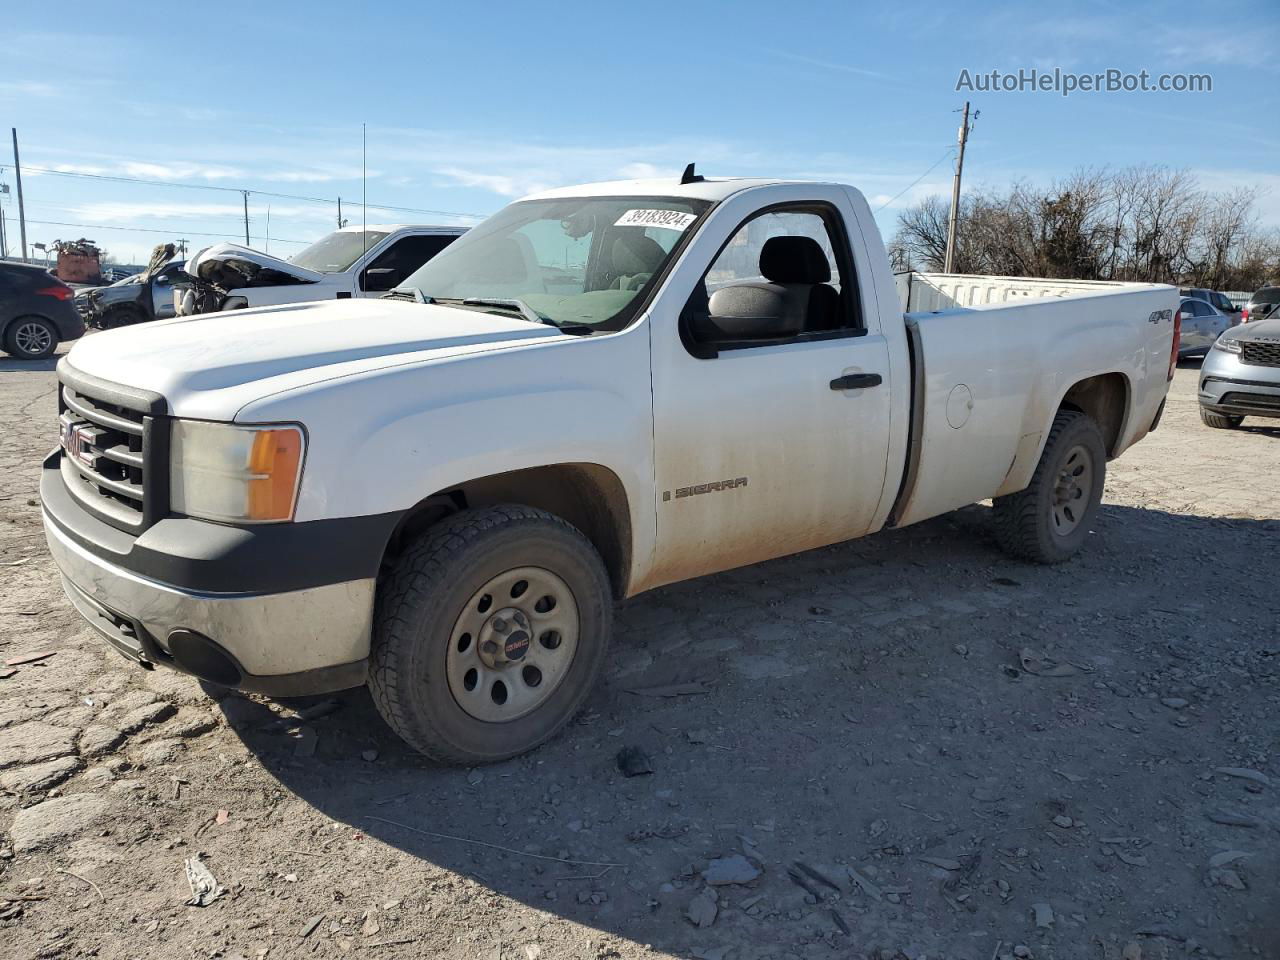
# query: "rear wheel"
[[1220, 421], [489, 633], [1049, 520], [31, 338]]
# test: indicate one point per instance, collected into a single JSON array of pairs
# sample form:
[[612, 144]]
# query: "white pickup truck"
[[350, 262], [597, 391]]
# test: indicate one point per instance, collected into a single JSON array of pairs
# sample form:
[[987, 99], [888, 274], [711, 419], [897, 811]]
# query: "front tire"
[[1219, 421], [31, 338], [125, 315], [1049, 520], [489, 633]]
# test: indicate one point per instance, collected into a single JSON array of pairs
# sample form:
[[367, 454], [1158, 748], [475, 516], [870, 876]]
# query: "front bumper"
[[1230, 387], [299, 642], [284, 609]]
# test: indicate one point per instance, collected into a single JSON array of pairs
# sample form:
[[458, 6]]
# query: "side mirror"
[[381, 279]]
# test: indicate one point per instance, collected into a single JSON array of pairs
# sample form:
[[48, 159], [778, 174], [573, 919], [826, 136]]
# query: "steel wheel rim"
[[1072, 491], [32, 338], [491, 675]]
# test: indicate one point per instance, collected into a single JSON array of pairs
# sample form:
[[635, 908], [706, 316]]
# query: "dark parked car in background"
[[1217, 299], [1263, 305], [136, 299], [36, 311]]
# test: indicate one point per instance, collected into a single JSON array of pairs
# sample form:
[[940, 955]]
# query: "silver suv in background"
[[1218, 300], [1202, 324], [1263, 304], [1240, 376]]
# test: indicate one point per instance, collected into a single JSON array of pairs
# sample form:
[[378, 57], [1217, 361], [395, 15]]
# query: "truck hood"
[[229, 265], [210, 366]]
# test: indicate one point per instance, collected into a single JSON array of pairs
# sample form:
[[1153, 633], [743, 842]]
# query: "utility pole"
[[22, 213], [963, 138], [246, 216], [339, 213], [182, 247], [364, 183]]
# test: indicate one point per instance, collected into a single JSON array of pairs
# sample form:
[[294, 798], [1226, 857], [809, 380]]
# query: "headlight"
[[222, 471], [1229, 344]]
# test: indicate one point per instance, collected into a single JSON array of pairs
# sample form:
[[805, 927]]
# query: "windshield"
[[580, 260], [338, 251], [1267, 295]]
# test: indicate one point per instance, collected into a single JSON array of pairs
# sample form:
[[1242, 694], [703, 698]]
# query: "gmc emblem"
[[76, 443]]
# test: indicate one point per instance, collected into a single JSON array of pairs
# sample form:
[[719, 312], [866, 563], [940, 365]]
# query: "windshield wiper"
[[399, 293], [507, 303], [511, 303]]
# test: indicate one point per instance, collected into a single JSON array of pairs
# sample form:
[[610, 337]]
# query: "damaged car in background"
[[149, 295], [350, 262]]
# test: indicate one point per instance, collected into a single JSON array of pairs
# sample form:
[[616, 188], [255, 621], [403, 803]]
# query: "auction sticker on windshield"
[[664, 219]]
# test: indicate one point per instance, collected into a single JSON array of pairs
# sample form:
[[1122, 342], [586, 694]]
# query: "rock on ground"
[[56, 819]]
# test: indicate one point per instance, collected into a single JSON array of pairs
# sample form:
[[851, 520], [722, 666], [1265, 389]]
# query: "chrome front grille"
[[1260, 353], [113, 450]]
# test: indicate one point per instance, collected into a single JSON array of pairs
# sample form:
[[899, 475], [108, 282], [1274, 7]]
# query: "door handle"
[[856, 381]]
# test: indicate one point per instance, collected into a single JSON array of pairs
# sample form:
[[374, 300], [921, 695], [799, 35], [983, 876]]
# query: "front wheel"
[[489, 633], [31, 338], [1219, 421], [1049, 520]]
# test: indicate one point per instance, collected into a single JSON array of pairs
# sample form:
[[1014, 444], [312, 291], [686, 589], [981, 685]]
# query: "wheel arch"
[[588, 495], [1104, 398]]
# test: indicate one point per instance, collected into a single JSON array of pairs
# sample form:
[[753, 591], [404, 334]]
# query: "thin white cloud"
[[832, 65], [1207, 44], [213, 173], [27, 88], [115, 212], [505, 185], [178, 171]]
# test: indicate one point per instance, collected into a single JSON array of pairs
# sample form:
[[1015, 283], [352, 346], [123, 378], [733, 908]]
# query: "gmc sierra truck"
[[599, 390]]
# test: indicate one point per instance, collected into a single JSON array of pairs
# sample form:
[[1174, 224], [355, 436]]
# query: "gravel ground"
[[906, 746]]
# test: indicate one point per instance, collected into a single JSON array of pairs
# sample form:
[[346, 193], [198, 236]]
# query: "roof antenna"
[[690, 177]]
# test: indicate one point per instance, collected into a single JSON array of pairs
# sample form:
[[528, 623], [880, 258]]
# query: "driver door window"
[[779, 278]]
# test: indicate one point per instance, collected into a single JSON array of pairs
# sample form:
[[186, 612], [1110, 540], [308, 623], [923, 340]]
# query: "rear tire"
[[31, 338], [489, 633], [1049, 520], [1220, 421]]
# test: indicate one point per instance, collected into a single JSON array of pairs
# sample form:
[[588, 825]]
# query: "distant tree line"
[[1145, 223]]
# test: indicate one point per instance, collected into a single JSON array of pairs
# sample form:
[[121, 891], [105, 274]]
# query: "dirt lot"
[[866, 714]]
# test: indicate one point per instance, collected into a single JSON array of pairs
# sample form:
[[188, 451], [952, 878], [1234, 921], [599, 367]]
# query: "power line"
[[916, 180], [194, 233], [262, 193]]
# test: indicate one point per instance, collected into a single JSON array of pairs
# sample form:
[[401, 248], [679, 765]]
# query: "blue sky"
[[469, 105]]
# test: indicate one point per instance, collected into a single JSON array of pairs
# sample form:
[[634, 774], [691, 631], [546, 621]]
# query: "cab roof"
[[393, 227], [711, 188]]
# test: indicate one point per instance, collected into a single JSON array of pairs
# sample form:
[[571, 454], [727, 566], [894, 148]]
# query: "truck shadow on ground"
[[865, 704]]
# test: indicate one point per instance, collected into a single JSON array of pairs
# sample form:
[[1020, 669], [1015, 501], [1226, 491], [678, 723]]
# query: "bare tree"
[[1145, 223], [1228, 218]]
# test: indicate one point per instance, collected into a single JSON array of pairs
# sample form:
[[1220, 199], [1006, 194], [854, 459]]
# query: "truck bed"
[[1002, 369], [918, 292]]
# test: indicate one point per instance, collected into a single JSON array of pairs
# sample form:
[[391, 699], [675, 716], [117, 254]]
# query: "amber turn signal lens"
[[274, 462]]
